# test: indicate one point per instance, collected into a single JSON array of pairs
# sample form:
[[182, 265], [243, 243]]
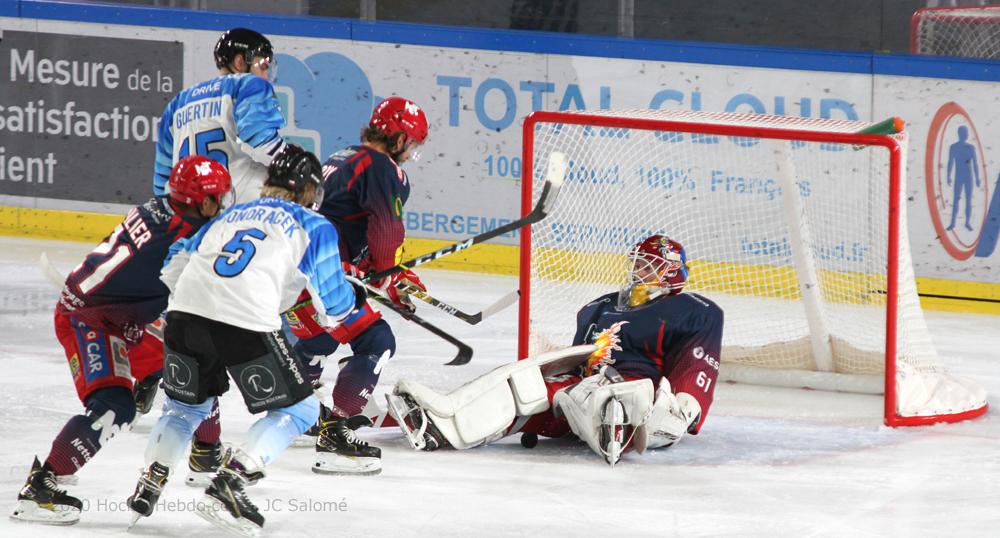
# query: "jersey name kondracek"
[[232, 119], [117, 286], [250, 264], [365, 192]]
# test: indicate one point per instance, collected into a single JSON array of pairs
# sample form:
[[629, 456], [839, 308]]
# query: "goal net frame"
[[779, 128], [956, 31]]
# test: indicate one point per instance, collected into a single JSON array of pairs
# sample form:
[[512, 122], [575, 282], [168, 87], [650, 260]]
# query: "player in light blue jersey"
[[232, 119], [229, 284]]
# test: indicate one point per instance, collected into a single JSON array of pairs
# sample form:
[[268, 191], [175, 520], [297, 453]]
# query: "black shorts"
[[261, 364]]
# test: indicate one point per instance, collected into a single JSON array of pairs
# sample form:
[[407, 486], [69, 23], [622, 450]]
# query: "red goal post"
[[817, 285]]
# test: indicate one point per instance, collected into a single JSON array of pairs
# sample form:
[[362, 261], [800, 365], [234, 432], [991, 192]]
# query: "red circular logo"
[[957, 185]]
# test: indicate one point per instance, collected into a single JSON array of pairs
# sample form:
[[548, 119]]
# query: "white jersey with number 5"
[[249, 264], [232, 119]]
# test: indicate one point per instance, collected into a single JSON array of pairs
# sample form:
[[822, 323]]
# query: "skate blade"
[[31, 512], [211, 510], [136, 516], [335, 464]]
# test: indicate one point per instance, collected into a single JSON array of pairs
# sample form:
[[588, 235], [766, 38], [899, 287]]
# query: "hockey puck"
[[529, 440]]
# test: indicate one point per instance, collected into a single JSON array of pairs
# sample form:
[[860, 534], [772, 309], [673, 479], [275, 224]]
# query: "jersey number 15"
[[205, 144]]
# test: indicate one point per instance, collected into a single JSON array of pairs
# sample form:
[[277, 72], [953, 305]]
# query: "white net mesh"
[[971, 32], [789, 237]]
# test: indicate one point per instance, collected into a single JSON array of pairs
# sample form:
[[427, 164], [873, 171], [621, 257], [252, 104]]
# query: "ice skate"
[[226, 504], [147, 491], [420, 431], [339, 451], [40, 501], [612, 435], [308, 439], [203, 463]]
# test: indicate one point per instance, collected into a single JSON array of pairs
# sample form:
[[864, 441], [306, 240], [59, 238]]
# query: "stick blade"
[[463, 357], [50, 272], [554, 176]]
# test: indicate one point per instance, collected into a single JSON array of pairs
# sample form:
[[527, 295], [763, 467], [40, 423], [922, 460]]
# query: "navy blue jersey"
[[117, 287], [364, 195], [678, 337]]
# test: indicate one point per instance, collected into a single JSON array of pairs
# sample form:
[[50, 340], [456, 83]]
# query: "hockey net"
[[969, 32], [793, 226]]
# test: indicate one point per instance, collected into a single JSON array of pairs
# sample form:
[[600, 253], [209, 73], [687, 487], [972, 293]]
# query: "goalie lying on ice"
[[641, 373]]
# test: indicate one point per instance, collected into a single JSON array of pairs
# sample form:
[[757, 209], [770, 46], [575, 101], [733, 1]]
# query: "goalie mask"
[[657, 266]]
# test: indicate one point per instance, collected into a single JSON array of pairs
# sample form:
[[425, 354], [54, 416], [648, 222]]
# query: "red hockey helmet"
[[195, 177], [657, 266], [396, 114]]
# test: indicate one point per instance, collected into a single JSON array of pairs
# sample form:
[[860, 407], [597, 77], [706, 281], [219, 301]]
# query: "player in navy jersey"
[[101, 321], [641, 374], [233, 118], [230, 283], [366, 190]]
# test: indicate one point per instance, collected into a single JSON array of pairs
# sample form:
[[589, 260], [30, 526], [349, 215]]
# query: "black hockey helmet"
[[294, 169], [241, 41]]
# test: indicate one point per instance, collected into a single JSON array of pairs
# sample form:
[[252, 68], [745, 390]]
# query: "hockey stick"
[[550, 191], [464, 351], [889, 126], [51, 273], [471, 319]]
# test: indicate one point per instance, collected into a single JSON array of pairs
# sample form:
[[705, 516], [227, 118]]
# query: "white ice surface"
[[769, 462]]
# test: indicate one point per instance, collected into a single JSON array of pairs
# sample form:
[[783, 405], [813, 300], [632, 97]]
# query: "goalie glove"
[[671, 417], [391, 284]]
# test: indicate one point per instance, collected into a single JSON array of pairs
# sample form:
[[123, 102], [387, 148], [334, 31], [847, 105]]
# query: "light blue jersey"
[[232, 119], [249, 264]]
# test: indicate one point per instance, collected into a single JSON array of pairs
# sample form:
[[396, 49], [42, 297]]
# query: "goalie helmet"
[[396, 114], [243, 42], [196, 177], [295, 169], [657, 266]]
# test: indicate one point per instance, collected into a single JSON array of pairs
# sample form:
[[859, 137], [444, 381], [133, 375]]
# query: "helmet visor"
[[265, 67]]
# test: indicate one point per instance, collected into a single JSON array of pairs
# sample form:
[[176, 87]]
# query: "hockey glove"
[[302, 318], [355, 323], [390, 286]]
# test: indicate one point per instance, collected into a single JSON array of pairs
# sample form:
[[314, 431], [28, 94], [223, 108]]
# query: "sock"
[[355, 384], [210, 429], [171, 435], [271, 434], [73, 447]]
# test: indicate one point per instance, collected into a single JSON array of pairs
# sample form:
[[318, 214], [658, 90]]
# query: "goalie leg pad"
[[596, 404], [482, 410]]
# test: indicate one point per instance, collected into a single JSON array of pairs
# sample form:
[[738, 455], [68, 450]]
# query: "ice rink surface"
[[769, 462]]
